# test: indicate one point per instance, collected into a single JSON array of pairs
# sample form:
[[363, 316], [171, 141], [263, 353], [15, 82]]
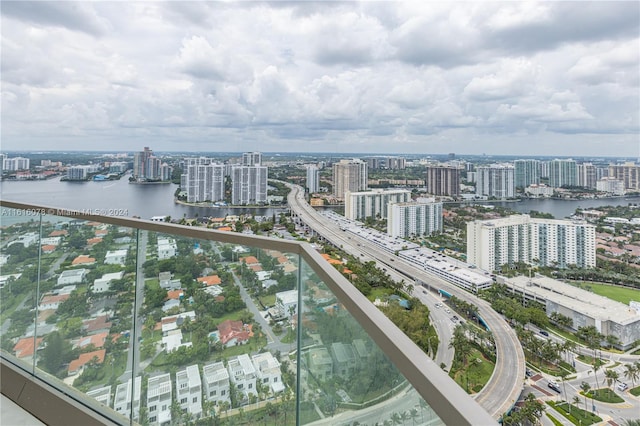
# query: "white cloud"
[[394, 77]]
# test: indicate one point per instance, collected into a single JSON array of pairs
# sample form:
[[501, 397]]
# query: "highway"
[[506, 383]]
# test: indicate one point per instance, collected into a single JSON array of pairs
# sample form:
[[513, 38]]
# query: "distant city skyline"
[[510, 78]]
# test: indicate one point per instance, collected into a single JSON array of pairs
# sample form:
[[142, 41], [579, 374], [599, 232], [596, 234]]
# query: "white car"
[[622, 386]]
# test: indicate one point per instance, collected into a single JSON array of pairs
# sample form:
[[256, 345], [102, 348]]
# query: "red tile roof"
[[26, 347], [210, 280], [77, 364]]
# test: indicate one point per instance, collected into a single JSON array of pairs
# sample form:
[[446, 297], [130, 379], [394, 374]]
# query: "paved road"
[[506, 383]]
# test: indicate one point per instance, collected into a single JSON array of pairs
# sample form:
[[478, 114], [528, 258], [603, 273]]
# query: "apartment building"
[[268, 371], [360, 205], [243, 375], [443, 180], [563, 173], [189, 390], [216, 383], [286, 304], [313, 178], [413, 219], [628, 173], [496, 180], [159, 391], [520, 238], [251, 158], [586, 175], [124, 403], [15, 163], [349, 176], [527, 172], [203, 180], [249, 184], [611, 186]]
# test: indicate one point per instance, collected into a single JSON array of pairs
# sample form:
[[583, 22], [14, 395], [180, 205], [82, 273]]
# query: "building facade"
[[413, 219], [249, 185], [628, 173], [520, 238], [216, 383], [360, 205], [349, 176], [189, 390], [313, 179], [159, 391], [496, 180], [563, 173], [251, 158], [203, 182], [443, 180], [527, 172], [587, 176]]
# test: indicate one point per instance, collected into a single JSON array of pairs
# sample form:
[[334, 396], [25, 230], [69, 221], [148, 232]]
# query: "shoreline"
[[228, 206]]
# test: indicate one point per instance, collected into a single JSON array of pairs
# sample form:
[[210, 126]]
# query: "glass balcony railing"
[[155, 324]]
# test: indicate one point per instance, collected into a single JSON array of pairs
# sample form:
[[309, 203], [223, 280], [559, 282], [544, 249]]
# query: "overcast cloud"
[[521, 78]]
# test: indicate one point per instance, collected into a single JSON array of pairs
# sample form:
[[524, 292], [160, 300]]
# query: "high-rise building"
[[203, 180], [15, 163], [360, 205], [443, 180], [545, 242], [527, 172], [349, 176], [140, 162], [586, 175], [628, 173], [249, 185], [563, 173], [251, 158], [414, 219], [496, 180], [313, 178]]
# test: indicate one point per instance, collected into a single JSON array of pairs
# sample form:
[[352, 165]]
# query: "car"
[[544, 333], [621, 386], [554, 386], [528, 372], [455, 317]]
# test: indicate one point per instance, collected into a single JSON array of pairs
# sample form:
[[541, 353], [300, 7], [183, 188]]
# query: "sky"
[[512, 78]]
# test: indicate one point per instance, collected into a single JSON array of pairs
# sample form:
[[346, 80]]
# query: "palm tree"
[[576, 401], [631, 372], [586, 387], [612, 376]]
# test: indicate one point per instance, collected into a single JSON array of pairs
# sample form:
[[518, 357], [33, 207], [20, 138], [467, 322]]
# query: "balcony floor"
[[12, 414]]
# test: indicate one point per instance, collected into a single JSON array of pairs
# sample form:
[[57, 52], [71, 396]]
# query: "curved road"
[[506, 383]]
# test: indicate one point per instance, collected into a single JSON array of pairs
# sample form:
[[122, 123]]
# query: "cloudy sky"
[[521, 78]]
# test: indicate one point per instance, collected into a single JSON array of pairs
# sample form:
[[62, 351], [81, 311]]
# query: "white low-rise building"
[[189, 390], [167, 248], [268, 371], [243, 374], [103, 284], [72, 276], [116, 257], [123, 402], [583, 307], [173, 341], [216, 383], [102, 395], [159, 390], [287, 303]]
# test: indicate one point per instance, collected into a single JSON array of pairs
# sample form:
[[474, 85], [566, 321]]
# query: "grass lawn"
[[379, 292], [268, 300], [589, 360], [635, 391], [577, 416], [554, 420], [474, 375], [604, 395], [619, 294]]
